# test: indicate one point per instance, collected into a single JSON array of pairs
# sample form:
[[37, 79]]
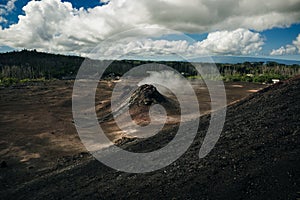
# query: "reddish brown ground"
[[37, 132]]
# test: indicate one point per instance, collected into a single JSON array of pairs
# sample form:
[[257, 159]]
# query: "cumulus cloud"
[[288, 49], [52, 25], [206, 16], [296, 43], [237, 42]]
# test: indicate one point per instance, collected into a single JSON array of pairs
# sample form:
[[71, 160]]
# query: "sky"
[[156, 28]]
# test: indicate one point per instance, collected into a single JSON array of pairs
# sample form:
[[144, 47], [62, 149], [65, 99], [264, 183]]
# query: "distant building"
[[275, 81]]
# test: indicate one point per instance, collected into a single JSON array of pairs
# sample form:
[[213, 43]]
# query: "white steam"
[[166, 81]]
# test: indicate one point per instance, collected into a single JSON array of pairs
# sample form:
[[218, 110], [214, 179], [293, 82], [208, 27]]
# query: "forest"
[[30, 65]]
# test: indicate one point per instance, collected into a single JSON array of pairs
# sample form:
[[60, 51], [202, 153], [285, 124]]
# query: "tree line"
[[33, 65]]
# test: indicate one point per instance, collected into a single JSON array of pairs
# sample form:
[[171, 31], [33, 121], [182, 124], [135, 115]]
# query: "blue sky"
[[277, 37], [266, 38]]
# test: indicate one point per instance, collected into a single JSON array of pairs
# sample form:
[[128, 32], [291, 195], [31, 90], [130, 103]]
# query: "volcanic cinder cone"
[[146, 95], [143, 98], [138, 104]]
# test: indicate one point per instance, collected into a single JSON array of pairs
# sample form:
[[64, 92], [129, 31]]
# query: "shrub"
[[9, 81]]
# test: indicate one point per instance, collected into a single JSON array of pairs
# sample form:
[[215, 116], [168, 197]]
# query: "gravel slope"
[[257, 157]]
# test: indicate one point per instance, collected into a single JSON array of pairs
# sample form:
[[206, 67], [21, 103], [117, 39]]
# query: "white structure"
[[275, 81]]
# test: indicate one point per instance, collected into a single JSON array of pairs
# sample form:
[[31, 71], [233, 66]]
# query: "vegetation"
[[258, 72], [257, 78], [14, 81], [28, 66]]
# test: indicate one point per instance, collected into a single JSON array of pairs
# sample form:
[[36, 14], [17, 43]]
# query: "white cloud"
[[288, 49], [52, 25], [201, 15], [237, 42], [297, 43]]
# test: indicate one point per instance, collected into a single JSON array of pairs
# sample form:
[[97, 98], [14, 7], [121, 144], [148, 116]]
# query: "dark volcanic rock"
[[146, 95], [257, 157]]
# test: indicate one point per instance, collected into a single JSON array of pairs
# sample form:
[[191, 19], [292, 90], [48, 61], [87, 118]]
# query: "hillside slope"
[[257, 157]]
